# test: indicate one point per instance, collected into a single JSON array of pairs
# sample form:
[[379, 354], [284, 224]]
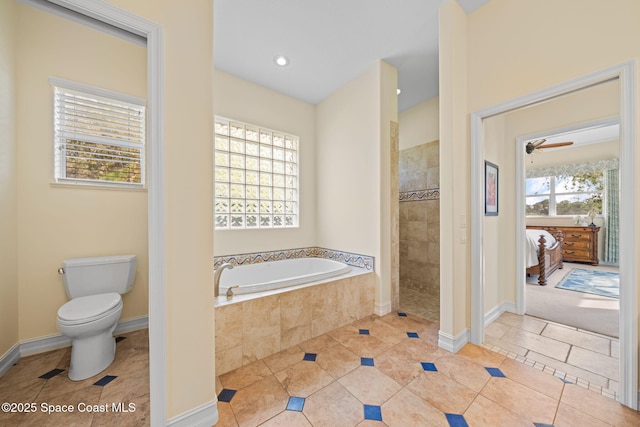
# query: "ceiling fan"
[[539, 144]]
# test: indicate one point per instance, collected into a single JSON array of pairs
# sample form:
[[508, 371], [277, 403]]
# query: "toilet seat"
[[87, 309]]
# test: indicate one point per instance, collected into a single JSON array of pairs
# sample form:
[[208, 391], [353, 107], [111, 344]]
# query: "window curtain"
[[612, 221], [574, 168]]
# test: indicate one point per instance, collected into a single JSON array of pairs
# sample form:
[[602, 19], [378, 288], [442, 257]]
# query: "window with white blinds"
[[99, 136], [256, 177]]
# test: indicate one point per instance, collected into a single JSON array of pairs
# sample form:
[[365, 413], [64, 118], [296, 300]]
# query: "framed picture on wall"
[[490, 189]]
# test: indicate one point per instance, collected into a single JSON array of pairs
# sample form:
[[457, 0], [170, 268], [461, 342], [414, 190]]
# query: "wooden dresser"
[[580, 244]]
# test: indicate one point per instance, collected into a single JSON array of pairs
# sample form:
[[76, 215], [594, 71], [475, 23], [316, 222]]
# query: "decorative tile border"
[[356, 260], [413, 196]]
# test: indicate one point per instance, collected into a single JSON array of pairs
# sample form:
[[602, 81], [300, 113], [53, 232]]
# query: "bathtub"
[[252, 326], [266, 276]]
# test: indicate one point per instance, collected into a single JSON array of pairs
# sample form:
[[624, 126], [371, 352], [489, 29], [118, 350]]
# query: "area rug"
[[604, 283], [580, 310]]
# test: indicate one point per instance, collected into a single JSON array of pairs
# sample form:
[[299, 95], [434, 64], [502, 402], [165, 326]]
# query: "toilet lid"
[[85, 308]]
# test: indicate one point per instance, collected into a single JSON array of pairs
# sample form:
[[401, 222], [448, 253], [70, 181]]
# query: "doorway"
[[420, 231], [624, 74], [104, 14]]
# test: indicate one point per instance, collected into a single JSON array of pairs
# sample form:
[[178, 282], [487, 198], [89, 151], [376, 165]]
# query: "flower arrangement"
[[592, 214]]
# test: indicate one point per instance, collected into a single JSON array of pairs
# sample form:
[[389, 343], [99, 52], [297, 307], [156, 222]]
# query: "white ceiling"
[[586, 136], [329, 42]]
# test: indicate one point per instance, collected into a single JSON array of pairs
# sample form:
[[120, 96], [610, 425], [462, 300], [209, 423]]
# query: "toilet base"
[[91, 355]]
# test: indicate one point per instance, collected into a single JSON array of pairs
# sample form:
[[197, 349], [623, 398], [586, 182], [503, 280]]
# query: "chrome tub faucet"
[[216, 278]]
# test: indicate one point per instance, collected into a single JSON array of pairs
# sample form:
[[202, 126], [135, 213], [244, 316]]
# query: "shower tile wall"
[[420, 222]]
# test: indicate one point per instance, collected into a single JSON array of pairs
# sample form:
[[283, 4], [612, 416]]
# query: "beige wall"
[[188, 123], [248, 102], [188, 101], [8, 181], [353, 191], [505, 55], [58, 222], [455, 268], [420, 124]]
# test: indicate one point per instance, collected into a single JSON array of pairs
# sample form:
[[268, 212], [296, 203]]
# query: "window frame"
[[263, 205], [101, 95], [553, 194]]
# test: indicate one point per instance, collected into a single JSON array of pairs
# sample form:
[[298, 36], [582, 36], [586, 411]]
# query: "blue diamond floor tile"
[[542, 425], [52, 373], [295, 404], [105, 380], [366, 361], [427, 366], [495, 372], [363, 332], [412, 335], [226, 395], [402, 314], [311, 357], [456, 420], [372, 412], [566, 381]]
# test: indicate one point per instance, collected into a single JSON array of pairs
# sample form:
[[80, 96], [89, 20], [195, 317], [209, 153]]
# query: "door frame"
[[521, 282], [114, 16], [626, 74]]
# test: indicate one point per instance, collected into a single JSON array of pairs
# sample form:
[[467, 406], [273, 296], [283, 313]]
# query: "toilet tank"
[[99, 275]]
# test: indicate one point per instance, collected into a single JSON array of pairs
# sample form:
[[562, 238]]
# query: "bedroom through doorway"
[[571, 323]]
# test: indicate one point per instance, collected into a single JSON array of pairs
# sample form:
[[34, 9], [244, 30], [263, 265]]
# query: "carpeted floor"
[[581, 310]]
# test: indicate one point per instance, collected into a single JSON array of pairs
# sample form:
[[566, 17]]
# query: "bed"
[[543, 253]]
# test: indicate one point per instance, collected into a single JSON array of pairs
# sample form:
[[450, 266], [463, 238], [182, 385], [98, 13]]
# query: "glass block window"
[[256, 177]]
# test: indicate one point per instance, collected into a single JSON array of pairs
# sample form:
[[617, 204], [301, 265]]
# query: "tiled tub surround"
[[253, 326], [420, 230]]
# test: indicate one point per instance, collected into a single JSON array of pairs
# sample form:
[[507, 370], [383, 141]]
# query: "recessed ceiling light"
[[398, 91], [281, 60]]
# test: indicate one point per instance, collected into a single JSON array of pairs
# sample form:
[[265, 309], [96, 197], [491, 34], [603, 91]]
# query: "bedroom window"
[[575, 194], [255, 177], [99, 136]]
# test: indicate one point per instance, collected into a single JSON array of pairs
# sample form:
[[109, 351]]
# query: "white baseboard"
[[497, 311], [39, 345], [382, 309], [453, 344], [9, 358], [203, 416], [53, 342], [131, 325]]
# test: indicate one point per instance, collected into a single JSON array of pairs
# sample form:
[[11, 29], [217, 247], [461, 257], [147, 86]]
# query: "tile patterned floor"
[[579, 356], [375, 372], [389, 371], [421, 303], [42, 379]]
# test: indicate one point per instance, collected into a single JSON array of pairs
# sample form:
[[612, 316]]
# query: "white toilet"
[[94, 286]]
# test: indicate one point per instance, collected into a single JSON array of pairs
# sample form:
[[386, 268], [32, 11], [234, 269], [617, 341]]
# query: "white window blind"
[[99, 136]]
